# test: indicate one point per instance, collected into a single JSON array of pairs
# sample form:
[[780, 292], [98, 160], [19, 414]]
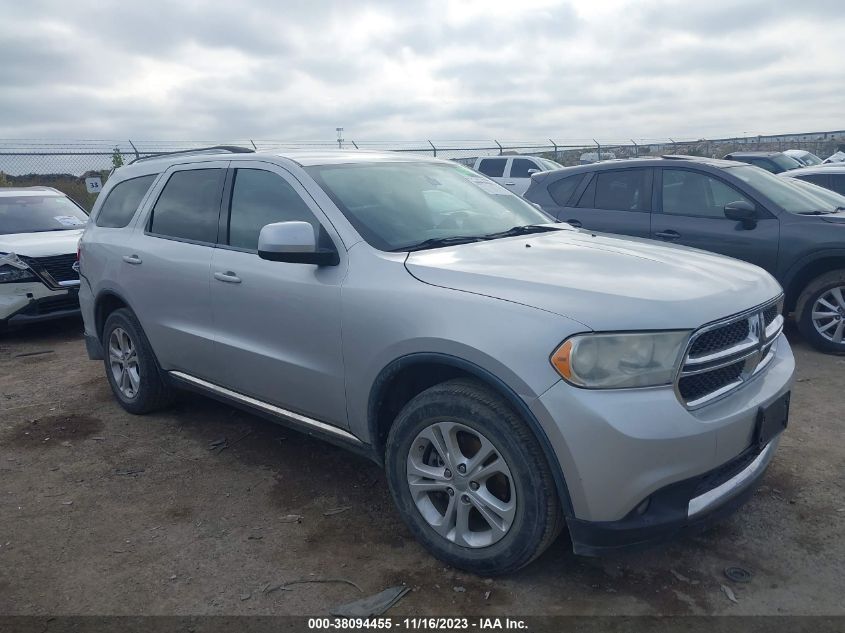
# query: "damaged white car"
[[39, 232]]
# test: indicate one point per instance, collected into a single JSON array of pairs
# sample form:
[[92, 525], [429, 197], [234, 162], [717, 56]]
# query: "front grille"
[[697, 386], [54, 269], [722, 356], [771, 313], [720, 338]]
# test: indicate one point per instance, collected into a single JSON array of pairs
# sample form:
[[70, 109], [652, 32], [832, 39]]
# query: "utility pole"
[[339, 137]]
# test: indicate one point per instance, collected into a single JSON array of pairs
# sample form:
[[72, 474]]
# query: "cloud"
[[434, 69]]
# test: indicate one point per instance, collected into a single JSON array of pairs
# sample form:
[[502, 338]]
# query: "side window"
[[816, 179], [493, 167], [122, 202], [561, 190], [259, 198], [695, 194], [624, 190], [189, 206], [588, 198], [520, 167], [837, 182]]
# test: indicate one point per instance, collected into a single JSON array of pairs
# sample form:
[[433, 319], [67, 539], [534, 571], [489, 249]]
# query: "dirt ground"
[[102, 512]]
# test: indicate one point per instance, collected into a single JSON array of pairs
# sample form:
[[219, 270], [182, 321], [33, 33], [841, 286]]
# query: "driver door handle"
[[229, 277], [668, 235], [132, 259], [510, 184], [573, 222]]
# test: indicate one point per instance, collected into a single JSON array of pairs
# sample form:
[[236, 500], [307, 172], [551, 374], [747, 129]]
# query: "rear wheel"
[[471, 480], [822, 312], [131, 367]]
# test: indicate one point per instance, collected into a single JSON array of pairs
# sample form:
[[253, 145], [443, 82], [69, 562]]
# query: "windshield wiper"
[[437, 242], [453, 240], [817, 212], [526, 229]]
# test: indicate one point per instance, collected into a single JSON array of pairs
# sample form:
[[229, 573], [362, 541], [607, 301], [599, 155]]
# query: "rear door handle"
[[229, 277], [510, 184], [132, 259], [573, 222], [668, 235]]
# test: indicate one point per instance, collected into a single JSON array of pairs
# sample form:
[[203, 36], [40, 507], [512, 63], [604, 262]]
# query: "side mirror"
[[742, 211], [533, 171], [295, 243]]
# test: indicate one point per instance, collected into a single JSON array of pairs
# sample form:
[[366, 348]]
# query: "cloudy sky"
[[295, 70]]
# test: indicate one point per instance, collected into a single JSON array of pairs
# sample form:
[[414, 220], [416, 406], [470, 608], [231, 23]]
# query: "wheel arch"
[[408, 375], [807, 269], [107, 301]]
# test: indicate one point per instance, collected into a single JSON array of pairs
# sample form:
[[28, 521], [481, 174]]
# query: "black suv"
[[793, 229], [775, 162]]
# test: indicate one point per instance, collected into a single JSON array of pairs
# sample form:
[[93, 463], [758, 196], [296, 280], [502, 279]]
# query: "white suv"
[[40, 228], [514, 172]]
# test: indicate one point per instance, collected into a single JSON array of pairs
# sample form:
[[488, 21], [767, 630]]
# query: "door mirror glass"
[[293, 242]]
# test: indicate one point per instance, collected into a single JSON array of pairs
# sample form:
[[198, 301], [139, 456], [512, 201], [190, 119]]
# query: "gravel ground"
[[102, 512]]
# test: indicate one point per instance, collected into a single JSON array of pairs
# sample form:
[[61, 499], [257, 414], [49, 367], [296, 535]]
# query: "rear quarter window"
[[122, 202], [561, 190]]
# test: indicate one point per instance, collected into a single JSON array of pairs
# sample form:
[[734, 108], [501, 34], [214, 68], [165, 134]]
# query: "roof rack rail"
[[214, 149]]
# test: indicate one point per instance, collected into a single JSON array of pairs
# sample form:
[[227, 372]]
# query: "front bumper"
[[685, 507], [31, 302], [619, 448]]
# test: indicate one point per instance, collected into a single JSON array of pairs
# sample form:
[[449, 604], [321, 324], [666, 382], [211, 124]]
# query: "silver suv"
[[511, 374]]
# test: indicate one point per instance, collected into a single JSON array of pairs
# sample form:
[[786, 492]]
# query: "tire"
[[141, 388], [465, 414], [825, 295]]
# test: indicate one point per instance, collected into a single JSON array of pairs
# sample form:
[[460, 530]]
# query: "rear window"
[[39, 214], [123, 201], [189, 206]]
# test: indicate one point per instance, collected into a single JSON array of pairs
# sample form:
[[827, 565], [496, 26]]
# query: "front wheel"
[[471, 480], [822, 312]]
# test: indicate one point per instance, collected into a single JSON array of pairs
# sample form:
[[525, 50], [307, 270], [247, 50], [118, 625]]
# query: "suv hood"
[[604, 282], [41, 244]]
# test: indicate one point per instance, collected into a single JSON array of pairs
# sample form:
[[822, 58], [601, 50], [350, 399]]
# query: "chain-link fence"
[[66, 164]]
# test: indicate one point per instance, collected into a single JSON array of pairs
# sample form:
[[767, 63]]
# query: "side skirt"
[[297, 421]]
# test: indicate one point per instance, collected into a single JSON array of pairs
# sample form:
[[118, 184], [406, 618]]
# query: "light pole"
[[339, 137]]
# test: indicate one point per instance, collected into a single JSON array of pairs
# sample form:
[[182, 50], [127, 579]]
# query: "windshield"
[[811, 159], [785, 162], [395, 206], [787, 193], [833, 198], [550, 164], [35, 214]]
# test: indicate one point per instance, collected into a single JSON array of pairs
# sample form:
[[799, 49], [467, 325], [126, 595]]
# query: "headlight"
[[13, 269], [615, 361]]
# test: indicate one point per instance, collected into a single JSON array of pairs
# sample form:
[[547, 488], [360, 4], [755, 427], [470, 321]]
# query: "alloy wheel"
[[123, 360], [461, 484], [829, 314]]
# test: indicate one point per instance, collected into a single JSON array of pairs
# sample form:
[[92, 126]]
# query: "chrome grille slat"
[[722, 356]]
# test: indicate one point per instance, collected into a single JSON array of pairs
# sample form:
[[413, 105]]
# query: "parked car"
[[804, 157], [830, 176], [510, 374], [514, 172], [837, 157], [721, 206], [39, 231], [775, 162]]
